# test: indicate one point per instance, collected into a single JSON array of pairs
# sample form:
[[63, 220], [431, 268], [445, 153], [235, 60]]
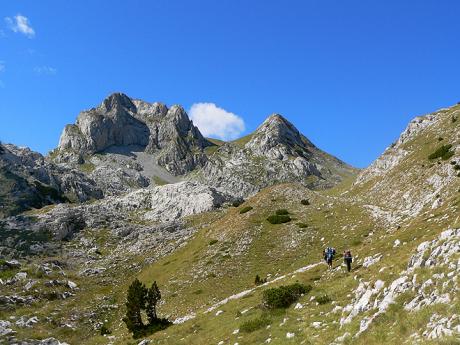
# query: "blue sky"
[[348, 74]]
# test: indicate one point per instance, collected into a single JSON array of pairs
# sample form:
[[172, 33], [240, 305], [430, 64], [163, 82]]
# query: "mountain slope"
[[275, 153]]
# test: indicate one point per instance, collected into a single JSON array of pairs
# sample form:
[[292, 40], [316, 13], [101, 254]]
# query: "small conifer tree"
[[257, 280], [152, 298], [134, 304], [142, 298]]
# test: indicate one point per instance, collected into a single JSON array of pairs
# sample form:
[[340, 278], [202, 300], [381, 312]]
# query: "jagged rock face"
[[177, 141], [112, 123], [171, 137], [275, 153], [28, 180]]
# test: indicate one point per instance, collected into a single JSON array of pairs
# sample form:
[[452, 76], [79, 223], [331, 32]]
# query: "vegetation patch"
[[278, 219], [213, 242], [259, 281], [282, 212], [255, 324], [140, 298], [105, 330], [305, 202], [284, 296], [442, 152], [302, 225], [246, 209], [324, 299]]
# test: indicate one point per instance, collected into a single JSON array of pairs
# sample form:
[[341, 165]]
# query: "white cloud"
[[20, 24], [45, 70], [216, 122]]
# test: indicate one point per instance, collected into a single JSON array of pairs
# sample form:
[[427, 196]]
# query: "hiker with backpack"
[[347, 258], [329, 256]]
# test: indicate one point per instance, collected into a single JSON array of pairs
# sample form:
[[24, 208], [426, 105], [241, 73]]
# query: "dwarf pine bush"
[[246, 209], [283, 296], [442, 152], [278, 219]]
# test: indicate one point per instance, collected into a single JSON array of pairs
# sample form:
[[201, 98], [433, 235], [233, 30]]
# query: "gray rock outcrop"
[[168, 134], [28, 180]]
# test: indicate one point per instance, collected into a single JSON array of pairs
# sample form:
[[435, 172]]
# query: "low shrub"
[[278, 219], [213, 242], [442, 152], [284, 296], [105, 330], [259, 281], [305, 202], [255, 324], [246, 209], [302, 225], [457, 167], [282, 212], [323, 299]]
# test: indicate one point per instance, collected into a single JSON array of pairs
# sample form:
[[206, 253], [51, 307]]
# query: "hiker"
[[347, 258], [329, 256]]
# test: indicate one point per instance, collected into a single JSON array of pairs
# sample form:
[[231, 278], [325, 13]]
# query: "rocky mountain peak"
[[117, 101], [278, 138]]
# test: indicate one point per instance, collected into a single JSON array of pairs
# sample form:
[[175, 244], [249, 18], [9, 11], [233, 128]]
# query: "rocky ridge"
[[275, 153]]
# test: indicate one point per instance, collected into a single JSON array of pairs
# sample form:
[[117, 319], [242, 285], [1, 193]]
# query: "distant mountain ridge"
[[169, 139]]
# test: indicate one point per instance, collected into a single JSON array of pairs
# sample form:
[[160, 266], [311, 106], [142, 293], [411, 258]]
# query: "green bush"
[[305, 202], [457, 167], [255, 324], [323, 299], [246, 209], [105, 330], [302, 225], [443, 152], [284, 296], [282, 212], [278, 219], [213, 242]]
